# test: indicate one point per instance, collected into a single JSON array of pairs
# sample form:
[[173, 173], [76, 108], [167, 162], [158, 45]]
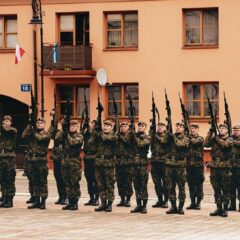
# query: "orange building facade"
[[186, 46]]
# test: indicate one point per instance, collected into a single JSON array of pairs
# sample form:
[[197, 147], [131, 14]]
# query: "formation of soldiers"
[[118, 150]]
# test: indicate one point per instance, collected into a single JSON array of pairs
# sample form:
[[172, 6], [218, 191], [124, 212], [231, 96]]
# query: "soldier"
[[37, 161], [195, 167], [140, 168], [159, 148], [105, 165], [71, 163], [90, 145], [220, 175], [176, 169], [124, 161], [8, 136], [235, 179]]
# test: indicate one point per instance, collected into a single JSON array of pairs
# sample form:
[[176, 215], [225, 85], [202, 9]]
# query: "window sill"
[[119, 49], [201, 119], [121, 119], [200, 47], [7, 50]]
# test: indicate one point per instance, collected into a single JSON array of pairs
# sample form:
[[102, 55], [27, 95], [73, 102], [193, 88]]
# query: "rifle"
[[153, 119], [213, 121], [34, 111], [86, 113], [185, 115], [131, 113], [116, 126], [99, 117], [227, 115], [82, 121], [54, 114], [169, 113], [67, 116]]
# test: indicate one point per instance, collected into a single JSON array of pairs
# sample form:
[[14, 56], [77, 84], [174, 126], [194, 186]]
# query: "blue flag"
[[55, 54]]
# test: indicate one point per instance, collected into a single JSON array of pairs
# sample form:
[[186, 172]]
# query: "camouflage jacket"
[[178, 150], [236, 152], [160, 146], [72, 148], [221, 150], [39, 141], [57, 151], [106, 149], [8, 136], [125, 152], [195, 151], [90, 144], [142, 144]]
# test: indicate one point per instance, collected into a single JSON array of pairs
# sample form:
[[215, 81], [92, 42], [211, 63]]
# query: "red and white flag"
[[18, 54]]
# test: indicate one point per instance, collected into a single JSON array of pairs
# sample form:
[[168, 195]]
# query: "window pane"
[[80, 108], [11, 25], [63, 108], [131, 38], [114, 39], [66, 22], [192, 19], [211, 90], [1, 24], [66, 38], [11, 41], [215, 108], [193, 92], [130, 17], [80, 100], [0, 40], [193, 36], [114, 21], [193, 108], [111, 108], [132, 90], [135, 104], [115, 91], [210, 27], [65, 93]]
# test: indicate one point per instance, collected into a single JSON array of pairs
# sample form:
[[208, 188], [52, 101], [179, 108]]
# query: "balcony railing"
[[69, 57]]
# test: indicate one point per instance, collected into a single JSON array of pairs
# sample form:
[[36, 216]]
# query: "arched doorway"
[[19, 112]]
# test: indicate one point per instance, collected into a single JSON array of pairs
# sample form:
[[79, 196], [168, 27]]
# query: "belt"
[[219, 159], [194, 159]]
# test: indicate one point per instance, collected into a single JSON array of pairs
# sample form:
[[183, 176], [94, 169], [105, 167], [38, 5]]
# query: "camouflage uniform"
[[195, 169], [160, 148], [56, 156], [124, 167], [220, 164], [176, 170], [8, 137]]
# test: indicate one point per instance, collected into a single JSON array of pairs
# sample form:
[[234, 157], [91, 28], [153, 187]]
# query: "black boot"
[[158, 204], [63, 200], [232, 206], [102, 207], [9, 202], [59, 200], [180, 208], [225, 210], [43, 203], [144, 206], [198, 204], [90, 201], [3, 201], [128, 201], [192, 205], [96, 200], [31, 200], [138, 208], [68, 206], [74, 205], [239, 207], [36, 204], [173, 209], [122, 202], [218, 211], [109, 206]]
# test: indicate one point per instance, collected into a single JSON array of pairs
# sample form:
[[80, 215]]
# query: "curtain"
[[192, 25], [210, 27]]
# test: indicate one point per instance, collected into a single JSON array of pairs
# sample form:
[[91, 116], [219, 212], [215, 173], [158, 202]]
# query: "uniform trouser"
[[220, 179], [7, 176], [140, 181], [235, 184], [30, 185], [89, 172], [176, 176], [57, 171], [72, 174], [195, 179], [158, 172], [105, 182], [38, 173], [124, 180]]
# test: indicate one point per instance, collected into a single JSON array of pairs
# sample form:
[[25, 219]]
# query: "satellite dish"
[[101, 77]]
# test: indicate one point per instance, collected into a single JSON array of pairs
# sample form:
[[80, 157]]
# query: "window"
[[8, 31], [122, 30], [74, 29], [195, 95], [76, 96], [120, 93], [201, 27]]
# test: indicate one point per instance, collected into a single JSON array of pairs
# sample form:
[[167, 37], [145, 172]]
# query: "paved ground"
[[53, 223]]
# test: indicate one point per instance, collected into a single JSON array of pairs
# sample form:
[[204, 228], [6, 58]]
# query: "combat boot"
[[128, 201], [102, 207], [68, 206], [144, 206], [192, 205], [232, 206], [58, 201], [31, 200], [180, 208], [218, 211], [36, 204], [173, 209], [96, 200], [43, 203], [138, 208], [198, 204], [63, 200], [3, 202], [1, 199], [90, 201], [165, 203], [74, 205], [225, 210], [109, 206], [239, 207], [122, 202], [9, 202], [158, 204]]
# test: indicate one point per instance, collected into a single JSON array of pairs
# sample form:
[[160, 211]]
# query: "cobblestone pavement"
[[53, 223]]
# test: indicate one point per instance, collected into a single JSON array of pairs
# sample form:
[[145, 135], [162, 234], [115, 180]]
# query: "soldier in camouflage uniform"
[[195, 167], [220, 164], [105, 166], [140, 168], [160, 147], [38, 163], [176, 169], [235, 179], [90, 145], [8, 136], [124, 162], [71, 163]]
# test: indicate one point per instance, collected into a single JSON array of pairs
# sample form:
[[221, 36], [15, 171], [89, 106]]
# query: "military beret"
[[161, 124], [74, 122], [236, 127], [41, 119], [7, 117], [195, 125], [142, 123], [108, 122], [180, 124], [223, 125], [124, 123]]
